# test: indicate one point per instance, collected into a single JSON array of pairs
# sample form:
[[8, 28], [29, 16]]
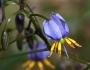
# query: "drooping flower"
[[38, 57], [57, 29]]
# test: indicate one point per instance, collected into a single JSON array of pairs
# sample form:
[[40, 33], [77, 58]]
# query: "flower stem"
[[20, 38], [31, 52], [21, 54], [39, 33], [39, 16]]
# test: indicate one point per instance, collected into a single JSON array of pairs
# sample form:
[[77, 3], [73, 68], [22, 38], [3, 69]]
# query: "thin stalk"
[[40, 34], [38, 16], [21, 54], [36, 51], [20, 38]]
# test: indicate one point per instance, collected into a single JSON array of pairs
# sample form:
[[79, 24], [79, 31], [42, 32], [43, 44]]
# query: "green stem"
[[40, 34], [36, 51], [33, 13], [29, 24], [20, 38], [39, 16], [21, 54], [75, 58]]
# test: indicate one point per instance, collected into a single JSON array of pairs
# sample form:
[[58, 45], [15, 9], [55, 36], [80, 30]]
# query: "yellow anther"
[[51, 51], [56, 45], [59, 49], [52, 48], [26, 64], [31, 65], [72, 45], [73, 41], [69, 43], [49, 64], [40, 65]]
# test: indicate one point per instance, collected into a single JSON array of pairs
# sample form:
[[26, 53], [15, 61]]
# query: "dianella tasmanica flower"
[[37, 58], [19, 20], [57, 29]]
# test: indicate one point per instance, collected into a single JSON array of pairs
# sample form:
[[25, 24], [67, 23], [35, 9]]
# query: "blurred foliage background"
[[77, 15]]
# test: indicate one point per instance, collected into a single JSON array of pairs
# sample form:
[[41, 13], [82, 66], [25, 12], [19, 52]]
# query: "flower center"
[[62, 40]]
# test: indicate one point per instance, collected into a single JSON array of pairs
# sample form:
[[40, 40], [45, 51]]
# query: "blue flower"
[[38, 57], [57, 29]]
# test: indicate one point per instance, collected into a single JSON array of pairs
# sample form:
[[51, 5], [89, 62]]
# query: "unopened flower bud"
[[19, 20], [4, 40], [29, 39]]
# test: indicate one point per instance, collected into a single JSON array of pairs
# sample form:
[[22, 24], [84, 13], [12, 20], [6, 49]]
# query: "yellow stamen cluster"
[[31, 63], [57, 45], [72, 42]]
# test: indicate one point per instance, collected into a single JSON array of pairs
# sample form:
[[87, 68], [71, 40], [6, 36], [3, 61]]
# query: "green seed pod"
[[4, 41]]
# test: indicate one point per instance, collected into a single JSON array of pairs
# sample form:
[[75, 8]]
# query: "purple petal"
[[52, 30], [40, 55], [60, 17], [66, 29], [65, 24], [44, 54], [58, 22], [31, 56]]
